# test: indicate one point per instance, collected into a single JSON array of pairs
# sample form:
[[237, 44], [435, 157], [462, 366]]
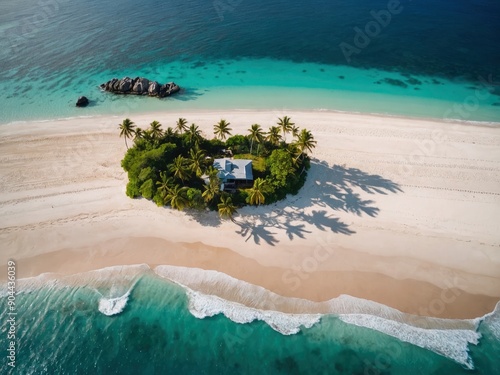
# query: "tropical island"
[[180, 168]]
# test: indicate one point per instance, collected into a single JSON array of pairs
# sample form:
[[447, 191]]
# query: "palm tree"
[[256, 193], [212, 189], [256, 134], [194, 134], [146, 135], [196, 161], [126, 129], [179, 168], [222, 129], [294, 150], [165, 184], [181, 125], [305, 141], [295, 130], [176, 197], [285, 124], [139, 134], [212, 172], [273, 135], [155, 130], [226, 207], [169, 132]]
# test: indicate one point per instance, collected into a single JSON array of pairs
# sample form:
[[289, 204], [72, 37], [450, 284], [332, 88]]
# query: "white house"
[[234, 172]]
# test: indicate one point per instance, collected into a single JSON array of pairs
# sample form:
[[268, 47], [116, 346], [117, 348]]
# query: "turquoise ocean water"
[[63, 330], [436, 59]]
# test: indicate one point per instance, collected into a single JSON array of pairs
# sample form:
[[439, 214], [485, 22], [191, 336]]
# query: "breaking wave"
[[218, 293], [492, 321], [113, 284], [451, 343], [113, 306], [203, 305], [211, 293]]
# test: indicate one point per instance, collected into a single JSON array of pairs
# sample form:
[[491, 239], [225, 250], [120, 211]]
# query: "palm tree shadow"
[[320, 220], [334, 188], [345, 199], [257, 232], [369, 183], [293, 231]]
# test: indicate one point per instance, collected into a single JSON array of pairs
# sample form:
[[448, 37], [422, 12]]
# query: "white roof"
[[234, 169]]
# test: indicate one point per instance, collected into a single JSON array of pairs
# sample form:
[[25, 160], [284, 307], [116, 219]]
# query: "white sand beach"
[[404, 212]]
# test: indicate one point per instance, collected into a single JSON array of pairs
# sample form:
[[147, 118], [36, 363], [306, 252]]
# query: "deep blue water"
[[434, 53], [445, 38]]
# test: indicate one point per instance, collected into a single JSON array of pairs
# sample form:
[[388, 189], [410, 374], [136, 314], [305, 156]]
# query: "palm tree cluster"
[[303, 140], [155, 132], [174, 167]]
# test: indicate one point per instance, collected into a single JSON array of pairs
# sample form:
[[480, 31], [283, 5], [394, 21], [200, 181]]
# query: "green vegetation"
[[258, 162], [174, 167], [127, 129], [222, 129]]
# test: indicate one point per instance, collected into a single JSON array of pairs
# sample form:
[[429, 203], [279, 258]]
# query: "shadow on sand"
[[333, 188]]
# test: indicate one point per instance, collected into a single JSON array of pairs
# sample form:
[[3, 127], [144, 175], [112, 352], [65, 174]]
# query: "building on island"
[[234, 173]]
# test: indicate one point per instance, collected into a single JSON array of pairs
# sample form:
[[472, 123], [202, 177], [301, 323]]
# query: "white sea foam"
[[30, 284], [451, 343], [116, 283], [492, 320], [218, 293], [113, 306], [203, 305], [105, 276]]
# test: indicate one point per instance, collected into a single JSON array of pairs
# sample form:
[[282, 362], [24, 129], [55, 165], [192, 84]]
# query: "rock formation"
[[82, 102], [140, 86]]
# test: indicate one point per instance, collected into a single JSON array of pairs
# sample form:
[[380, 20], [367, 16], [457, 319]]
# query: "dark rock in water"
[[125, 85], [139, 86], [82, 101], [154, 88], [168, 89], [116, 85]]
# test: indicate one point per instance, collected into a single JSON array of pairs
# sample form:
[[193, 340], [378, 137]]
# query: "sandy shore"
[[399, 211]]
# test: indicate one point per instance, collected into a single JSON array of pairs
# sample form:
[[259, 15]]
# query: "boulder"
[[109, 84], [141, 86], [82, 101], [116, 85], [125, 85], [168, 89], [154, 88], [173, 88]]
